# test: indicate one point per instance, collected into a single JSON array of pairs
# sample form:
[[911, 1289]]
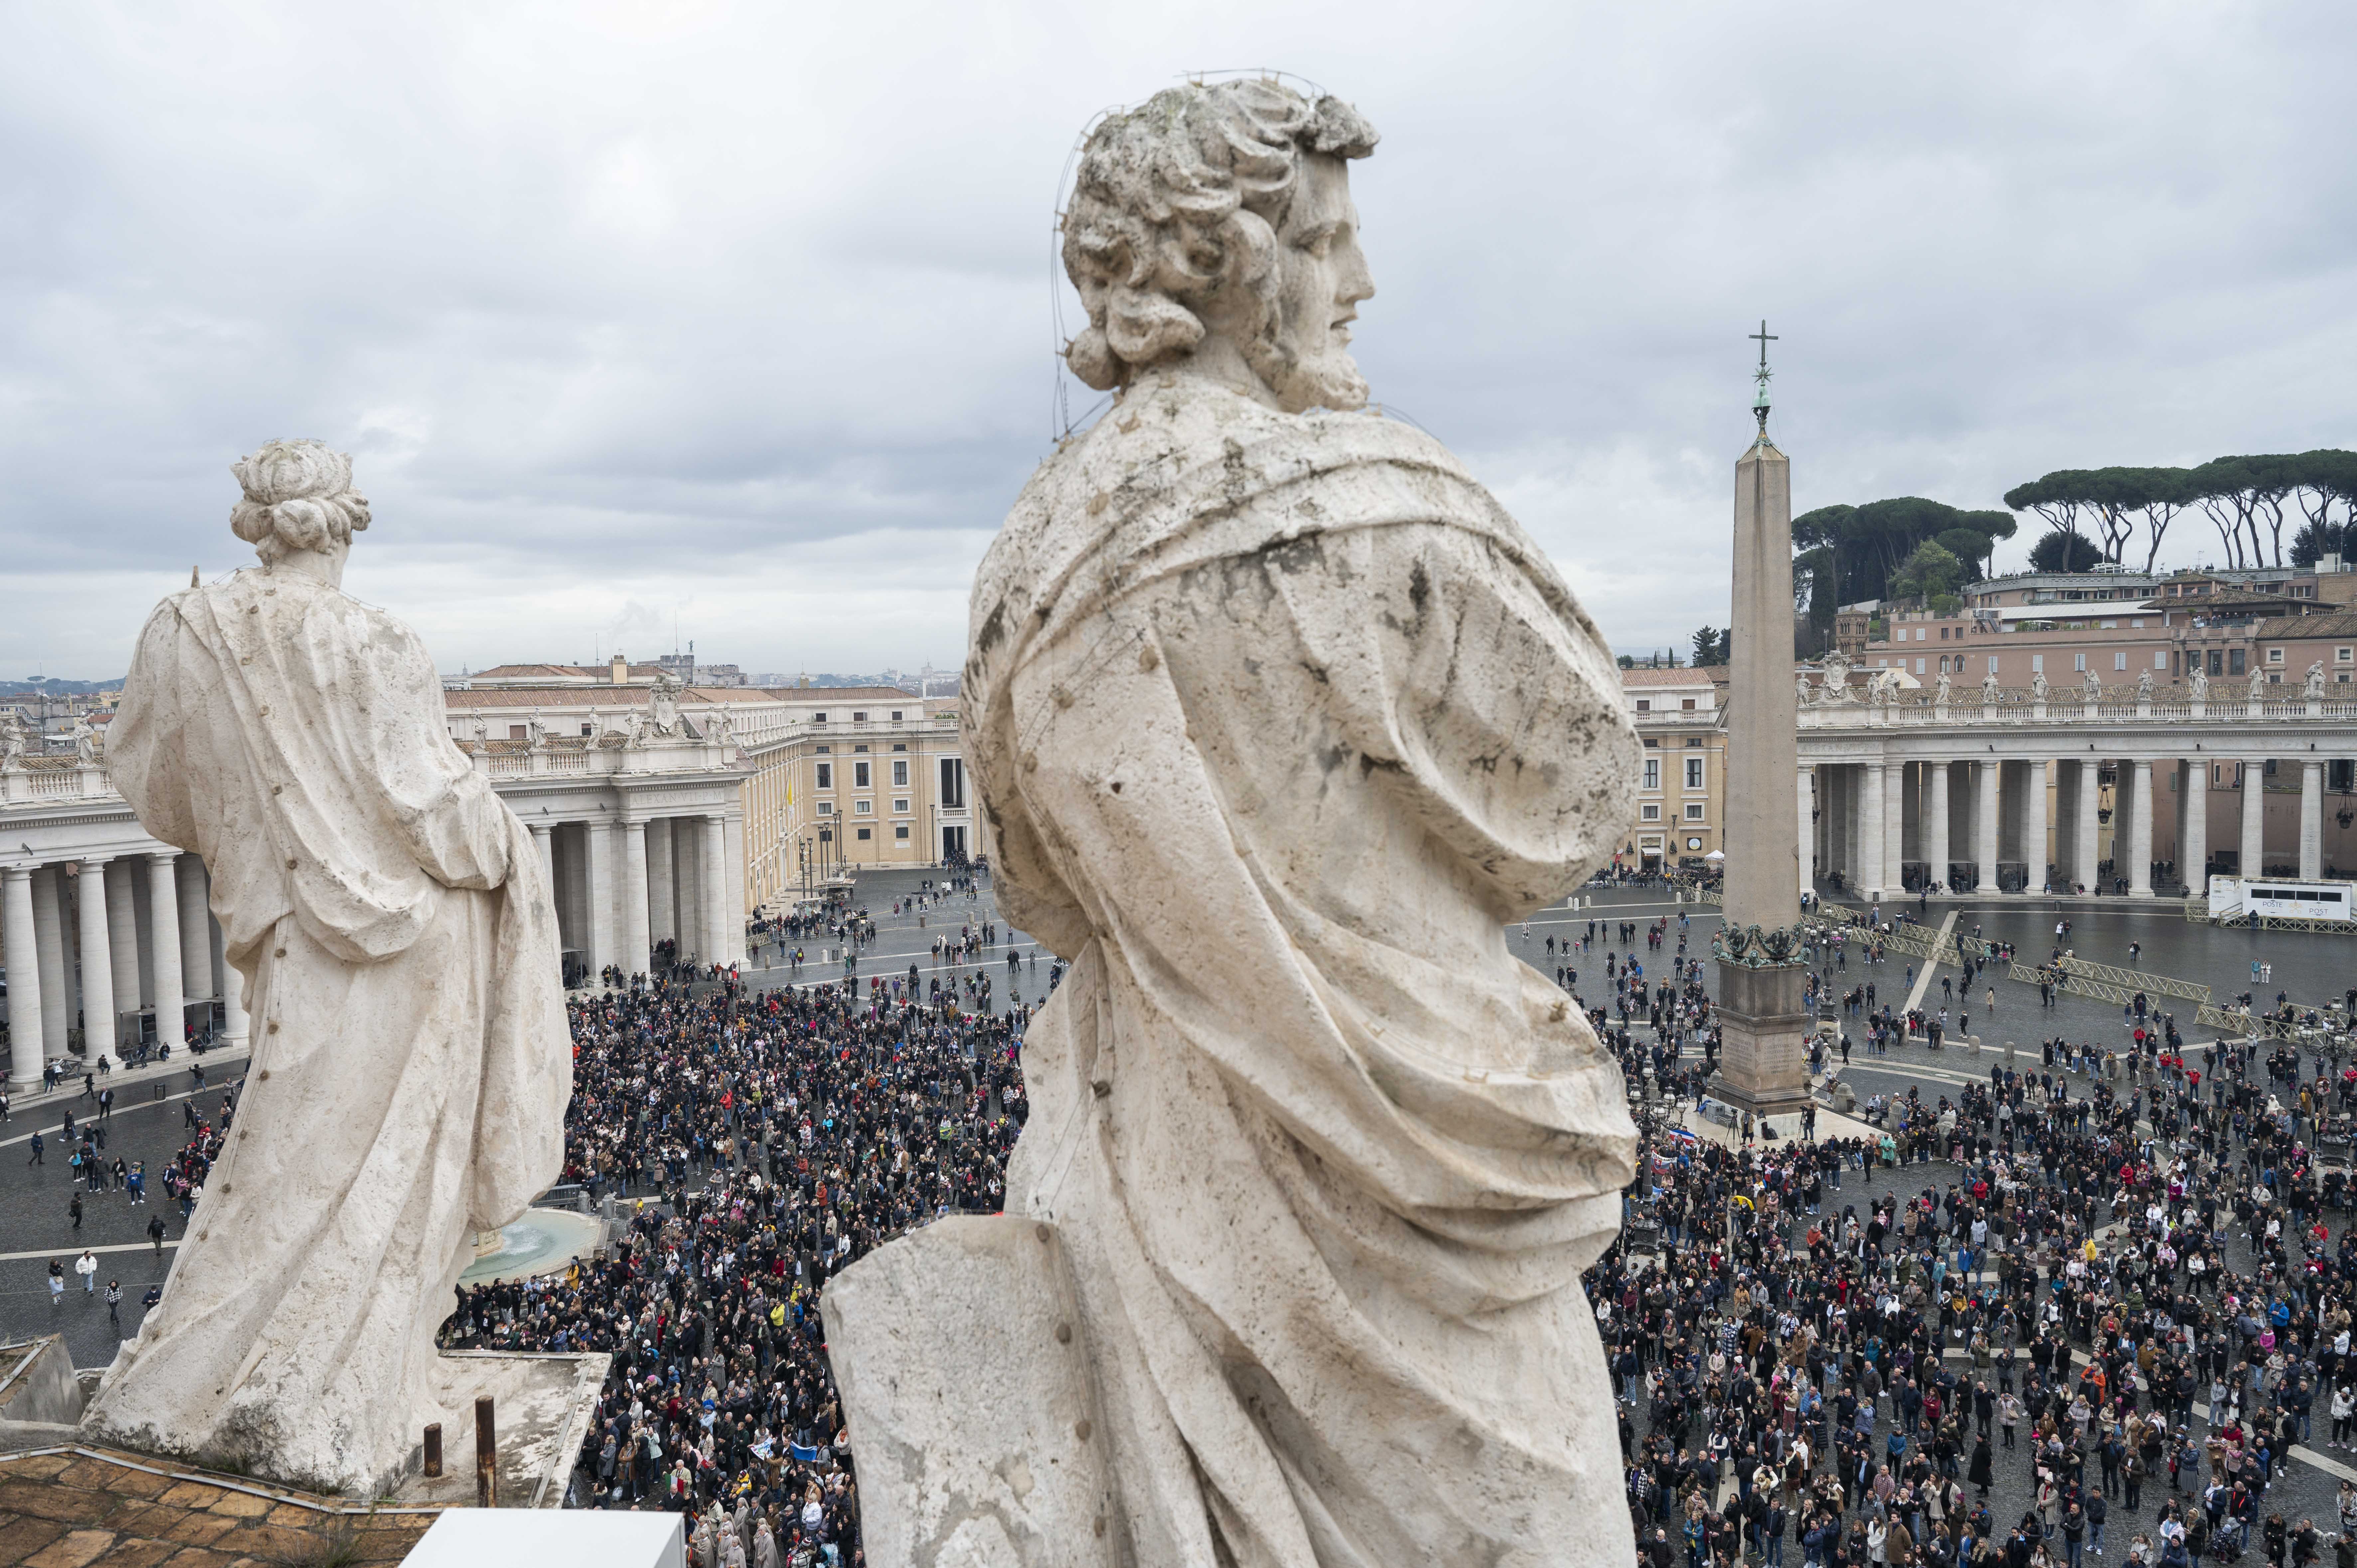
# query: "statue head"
[[298, 502], [1220, 215]]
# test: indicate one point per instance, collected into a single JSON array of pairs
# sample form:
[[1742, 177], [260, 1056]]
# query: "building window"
[[863, 809], [1693, 810], [952, 783], [895, 713], [2037, 664], [1651, 812], [865, 835], [2161, 659], [901, 773], [900, 829], [1918, 667], [822, 750], [1653, 773], [2119, 661], [2078, 662], [859, 776], [826, 775], [517, 732], [2340, 655], [901, 806], [818, 718], [588, 729], [1693, 772], [859, 718], [859, 748], [2275, 655], [2235, 661], [826, 808], [1686, 703], [1644, 705]]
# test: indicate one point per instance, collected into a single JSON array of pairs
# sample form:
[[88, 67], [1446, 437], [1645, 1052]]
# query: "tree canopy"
[[2244, 499], [1846, 553]]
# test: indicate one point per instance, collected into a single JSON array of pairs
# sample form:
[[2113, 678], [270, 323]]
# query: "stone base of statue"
[[541, 1406], [959, 1355], [1764, 1054]]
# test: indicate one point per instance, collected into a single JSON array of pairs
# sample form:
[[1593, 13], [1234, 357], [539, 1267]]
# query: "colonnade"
[[628, 882], [89, 943], [1893, 823]]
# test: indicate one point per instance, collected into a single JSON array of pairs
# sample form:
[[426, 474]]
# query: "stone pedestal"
[[1763, 1055]]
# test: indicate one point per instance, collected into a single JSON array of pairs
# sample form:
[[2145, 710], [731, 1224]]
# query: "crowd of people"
[[758, 1142], [2131, 1276]]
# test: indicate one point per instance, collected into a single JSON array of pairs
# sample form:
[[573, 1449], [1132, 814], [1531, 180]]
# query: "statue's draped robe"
[[411, 1062], [1276, 720]]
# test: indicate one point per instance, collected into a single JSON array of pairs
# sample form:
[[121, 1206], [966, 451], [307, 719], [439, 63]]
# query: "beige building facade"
[[1681, 717]]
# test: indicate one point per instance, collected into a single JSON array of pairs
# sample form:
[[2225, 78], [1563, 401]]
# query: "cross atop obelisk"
[[1760, 396]]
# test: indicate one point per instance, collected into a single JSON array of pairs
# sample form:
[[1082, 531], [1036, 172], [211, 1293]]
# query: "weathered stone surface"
[[393, 928], [1276, 717], [1030, 1486]]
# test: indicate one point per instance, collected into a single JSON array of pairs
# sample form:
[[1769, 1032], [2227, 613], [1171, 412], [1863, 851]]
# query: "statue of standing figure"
[[393, 928], [1276, 717]]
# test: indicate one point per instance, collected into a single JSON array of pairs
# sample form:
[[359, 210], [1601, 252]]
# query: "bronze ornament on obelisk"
[[1762, 963]]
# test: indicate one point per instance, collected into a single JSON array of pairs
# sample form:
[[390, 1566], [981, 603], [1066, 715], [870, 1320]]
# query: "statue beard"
[[1329, 379]]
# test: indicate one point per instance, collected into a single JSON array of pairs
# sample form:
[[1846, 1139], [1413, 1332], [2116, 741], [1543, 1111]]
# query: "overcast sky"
[[733, 323]]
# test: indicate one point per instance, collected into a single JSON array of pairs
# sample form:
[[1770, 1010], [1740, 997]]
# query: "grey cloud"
[[741, 315]]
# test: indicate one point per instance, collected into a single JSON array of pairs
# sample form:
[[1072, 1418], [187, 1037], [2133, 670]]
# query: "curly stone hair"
[[298, 496], [1180, 199]]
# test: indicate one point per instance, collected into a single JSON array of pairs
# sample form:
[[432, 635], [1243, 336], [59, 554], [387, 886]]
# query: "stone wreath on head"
[[1179, 200], [298, 496]]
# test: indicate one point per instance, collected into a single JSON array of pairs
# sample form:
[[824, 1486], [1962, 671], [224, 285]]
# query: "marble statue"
[[2314, 683], [1940, 692], [1837, 679], [2091, 689], [2144, 687], [2259, 687], [399, 949], [2038, 687], [85, 741], [1990, 690], [1800, 690], [1276, 718], [11, 740], [2200, 684]]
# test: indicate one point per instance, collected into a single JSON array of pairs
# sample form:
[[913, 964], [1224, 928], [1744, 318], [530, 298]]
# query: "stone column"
[[635, 948], [732, 883], [1910, 816], [597, 838], [2033, 830], [97, 960], [1990, 771], [716, 890], [1871, 797], [196, 928], [2141, 836], [687, 882], [236, 1030], [2193, 844], [1939, 841], [1805, 850], [49, 953], [2254, 817], [20, 948], [123, 932], [2312, 821], [662, 890], [1894, 818], [164, 947], [1849, 789], [2088, 871], [543, 839]]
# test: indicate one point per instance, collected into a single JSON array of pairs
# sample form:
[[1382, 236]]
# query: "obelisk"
[[1762, 1060]]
